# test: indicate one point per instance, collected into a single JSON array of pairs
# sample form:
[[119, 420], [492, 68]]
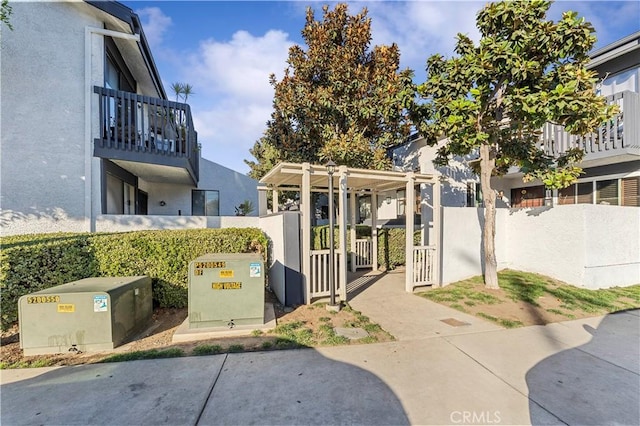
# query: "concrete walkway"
[[575, 372], [382, 297]]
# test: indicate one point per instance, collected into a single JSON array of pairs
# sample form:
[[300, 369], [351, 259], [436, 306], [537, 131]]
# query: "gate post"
[[342, 207], [409, 215], [305, 228], [352, 231]]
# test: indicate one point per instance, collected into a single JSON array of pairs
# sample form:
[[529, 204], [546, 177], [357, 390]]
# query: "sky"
[[227, 49]]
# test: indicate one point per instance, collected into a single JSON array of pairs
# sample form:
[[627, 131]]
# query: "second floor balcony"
[[152, 138], [614, 141]]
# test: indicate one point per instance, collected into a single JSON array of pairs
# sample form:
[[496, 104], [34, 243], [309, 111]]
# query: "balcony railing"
[[610, 138], [144, 129]]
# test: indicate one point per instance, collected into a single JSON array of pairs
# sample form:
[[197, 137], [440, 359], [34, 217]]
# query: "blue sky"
[[227, 49]]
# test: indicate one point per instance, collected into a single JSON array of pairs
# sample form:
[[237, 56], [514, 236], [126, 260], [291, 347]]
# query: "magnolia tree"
[[338, 99], [492, 98]]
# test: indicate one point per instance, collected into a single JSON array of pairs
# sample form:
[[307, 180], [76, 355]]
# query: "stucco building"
[[90, 140]]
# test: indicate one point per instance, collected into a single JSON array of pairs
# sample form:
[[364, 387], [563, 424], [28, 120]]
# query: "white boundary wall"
[[125, 223], [589, 246]]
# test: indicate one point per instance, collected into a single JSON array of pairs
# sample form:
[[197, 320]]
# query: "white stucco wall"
[[462, 251], [42, 118], [591, 246], [550, 241], [612, 245], [124, 223], [273, 226], [176, 198]]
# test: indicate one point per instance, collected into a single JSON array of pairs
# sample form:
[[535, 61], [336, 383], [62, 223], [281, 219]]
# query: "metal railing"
[[132, 122], [610, 136]]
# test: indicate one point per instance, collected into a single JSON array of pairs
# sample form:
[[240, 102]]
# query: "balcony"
[[152, 138], [615, 141]]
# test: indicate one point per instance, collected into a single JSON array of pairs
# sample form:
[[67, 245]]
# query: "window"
[[607, 192], [474, 194], [581, 193], [364, 208], [401, 202], [631, 191], [205, 203], [585, 193], [531, 196]]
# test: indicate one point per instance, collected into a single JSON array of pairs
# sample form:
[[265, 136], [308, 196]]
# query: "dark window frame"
[[204, 202]]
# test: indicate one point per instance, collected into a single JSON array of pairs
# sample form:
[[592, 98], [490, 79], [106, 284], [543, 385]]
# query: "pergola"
[[305, 178]]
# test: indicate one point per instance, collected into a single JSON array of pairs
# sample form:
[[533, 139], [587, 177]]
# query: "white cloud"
[[421, 29], [233, 96], [241, 66], [155, 24]]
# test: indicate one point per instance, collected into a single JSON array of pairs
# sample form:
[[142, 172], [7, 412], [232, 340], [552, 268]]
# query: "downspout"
[[90, 220]]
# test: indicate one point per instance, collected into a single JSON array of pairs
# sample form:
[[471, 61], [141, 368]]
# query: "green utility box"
[[92, 314], [226, 290]]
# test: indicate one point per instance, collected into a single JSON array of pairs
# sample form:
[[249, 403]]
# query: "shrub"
[[391, 242], [32, 263]]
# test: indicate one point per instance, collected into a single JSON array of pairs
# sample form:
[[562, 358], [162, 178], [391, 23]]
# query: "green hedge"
[[32, 263], [391, 242]]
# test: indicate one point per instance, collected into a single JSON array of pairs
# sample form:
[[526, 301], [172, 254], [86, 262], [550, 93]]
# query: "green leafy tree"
[[493, 98], [338, 99], [5, 13]]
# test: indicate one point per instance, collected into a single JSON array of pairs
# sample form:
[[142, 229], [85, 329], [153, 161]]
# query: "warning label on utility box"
[[100, 303], [255, 270], [226, 273], [66, 307], [226, 286]]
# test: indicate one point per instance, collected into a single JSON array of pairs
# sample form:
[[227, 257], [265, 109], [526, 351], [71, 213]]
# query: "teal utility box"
[[92, 314], [226, 290]]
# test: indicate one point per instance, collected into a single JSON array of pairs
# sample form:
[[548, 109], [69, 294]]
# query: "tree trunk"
[[487, 164]]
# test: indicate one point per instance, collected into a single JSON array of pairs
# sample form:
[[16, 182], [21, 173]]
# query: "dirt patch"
[[314, 320], [532, 302]]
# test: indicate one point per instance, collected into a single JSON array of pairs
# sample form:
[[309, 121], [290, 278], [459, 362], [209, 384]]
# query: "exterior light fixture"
[[331, 167], [388, 199], [162, 203]]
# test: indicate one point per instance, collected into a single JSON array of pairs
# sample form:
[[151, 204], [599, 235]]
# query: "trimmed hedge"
[[391, 243], [30, 263]]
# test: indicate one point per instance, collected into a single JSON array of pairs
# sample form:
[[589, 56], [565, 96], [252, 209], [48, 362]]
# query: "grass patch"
[[458, 307], [284, 343], [150, 354], [295, 332], [266, 345], [207, 350], [235, 348], [36, 363], [256, 333], [503, 322], [540, 293]]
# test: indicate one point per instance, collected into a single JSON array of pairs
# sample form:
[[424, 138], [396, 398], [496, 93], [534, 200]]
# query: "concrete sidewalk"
[[406, 316], [575, 372]]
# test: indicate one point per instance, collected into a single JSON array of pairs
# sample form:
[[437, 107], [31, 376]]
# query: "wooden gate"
[[320, 273], [423, 265], [364, 254]]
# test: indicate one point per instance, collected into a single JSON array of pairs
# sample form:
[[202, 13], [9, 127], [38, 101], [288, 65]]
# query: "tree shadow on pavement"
[[594, 384], [279, 387]]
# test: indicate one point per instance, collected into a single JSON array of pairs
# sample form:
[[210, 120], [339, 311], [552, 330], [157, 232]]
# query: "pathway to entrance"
[[382, 297]]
